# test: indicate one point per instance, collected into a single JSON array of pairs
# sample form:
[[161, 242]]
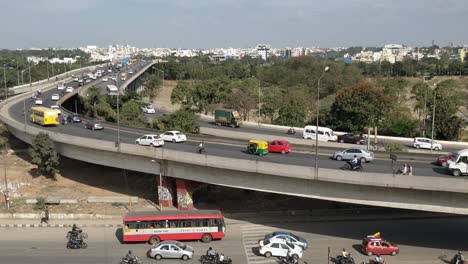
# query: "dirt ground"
[[163, 100]]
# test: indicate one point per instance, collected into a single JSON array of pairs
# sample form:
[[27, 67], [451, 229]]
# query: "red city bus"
[[155, 226]]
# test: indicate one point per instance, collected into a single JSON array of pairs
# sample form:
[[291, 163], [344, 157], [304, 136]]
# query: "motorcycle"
[[75, 244], [288, 260], [77, 235], [454, 260], [291, 131], [344, 260], [127, 260], [349, 166], [204, 259]]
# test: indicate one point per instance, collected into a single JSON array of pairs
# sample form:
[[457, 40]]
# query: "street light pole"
[[317, 123], [433, 117], [30, 73], [17, 70], [48, 76], [4, 78], [259, 102], [118, 113], [159, 185]]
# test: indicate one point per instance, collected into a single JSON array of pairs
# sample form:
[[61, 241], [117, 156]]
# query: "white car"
[[61, 87], [130, 72], [38, 101], [278, 248], [105, 79], [174, 136], [55, 97], [148, 109], [109, 70], [150, 140], [88, 81], [56, 108], [69, 89], [75, 79], [426, 143]]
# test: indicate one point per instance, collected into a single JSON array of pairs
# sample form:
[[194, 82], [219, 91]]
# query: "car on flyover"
[[174, 136], [38, 101], [150, 140], [289, 237], [426, 143], [69, 89], [279, 146], [278, 248], [350, 138], [94, 125], [375, 245], [55, 97], [443, 160], [105, 79], [170, 249], [74, 118], [56, 108], [348, 154]]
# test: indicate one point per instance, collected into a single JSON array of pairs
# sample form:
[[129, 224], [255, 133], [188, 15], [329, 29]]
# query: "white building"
[[263, 51]]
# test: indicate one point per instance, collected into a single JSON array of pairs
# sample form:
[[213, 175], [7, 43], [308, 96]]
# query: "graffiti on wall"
[[184, 200], [164, 194]]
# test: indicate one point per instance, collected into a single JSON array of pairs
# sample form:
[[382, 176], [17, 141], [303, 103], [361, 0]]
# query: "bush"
[[393, 146], [40, 205], [184, 120]]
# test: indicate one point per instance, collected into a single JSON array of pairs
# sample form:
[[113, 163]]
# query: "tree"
[[358, 107], [97, 105], [292, 112], [43, 154], [131, 115], [182, 94], [185, 120], [152, 84], [243, 96]]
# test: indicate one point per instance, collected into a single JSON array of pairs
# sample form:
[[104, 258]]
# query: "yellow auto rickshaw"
[[257, 147]]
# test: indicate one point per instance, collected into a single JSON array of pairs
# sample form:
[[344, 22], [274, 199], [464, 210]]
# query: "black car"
[[94, 125], [354, 139], [75, 118]]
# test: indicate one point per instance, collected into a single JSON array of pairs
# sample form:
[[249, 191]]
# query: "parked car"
[[55, 97], [38, 101], [69, 89], [426, 144], [442, 160], [372, 245], [279, 146], [74, 118], [170, 249], [148, 109], [94, 125], [278, 248], [174, 136], [348, 154], [56, 108], [150, 140], [289, 237], [350, 138]]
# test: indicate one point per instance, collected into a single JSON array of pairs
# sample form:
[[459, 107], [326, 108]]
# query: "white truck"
[[458, 165]]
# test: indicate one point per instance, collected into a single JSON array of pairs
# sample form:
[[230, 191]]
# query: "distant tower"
[[263, 51]]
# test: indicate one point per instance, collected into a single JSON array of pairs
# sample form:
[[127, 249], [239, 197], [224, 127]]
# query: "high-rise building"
[[263, 51], [286, 53]]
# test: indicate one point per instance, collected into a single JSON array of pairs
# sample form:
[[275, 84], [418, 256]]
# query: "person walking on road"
[[43, 216], [47, 214]]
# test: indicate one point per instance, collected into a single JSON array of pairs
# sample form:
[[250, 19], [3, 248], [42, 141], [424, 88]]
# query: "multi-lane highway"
[[426, 240], [220, 149]]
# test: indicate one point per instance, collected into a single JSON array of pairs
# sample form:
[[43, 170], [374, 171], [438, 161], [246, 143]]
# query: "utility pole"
[[7, 197], [4, 77], [433, 120]]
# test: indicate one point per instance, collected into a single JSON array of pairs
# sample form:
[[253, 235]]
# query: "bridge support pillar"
[[184, 194], [165, 191]]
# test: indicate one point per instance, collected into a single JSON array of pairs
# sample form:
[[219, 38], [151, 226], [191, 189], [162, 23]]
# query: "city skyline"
[[212, 24]]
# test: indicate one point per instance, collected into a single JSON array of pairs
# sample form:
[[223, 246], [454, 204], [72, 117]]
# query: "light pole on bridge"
[[317, 123]]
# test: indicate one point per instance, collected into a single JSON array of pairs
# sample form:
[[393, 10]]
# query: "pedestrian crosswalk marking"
[[251, 234]]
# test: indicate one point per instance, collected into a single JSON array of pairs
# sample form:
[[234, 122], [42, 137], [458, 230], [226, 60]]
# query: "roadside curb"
[[56, 225]]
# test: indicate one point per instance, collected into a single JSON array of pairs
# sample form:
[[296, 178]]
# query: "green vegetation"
[[43, 154], [40, 205], [185, 120]]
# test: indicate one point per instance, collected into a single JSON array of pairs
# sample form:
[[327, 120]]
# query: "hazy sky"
[[231, 23]]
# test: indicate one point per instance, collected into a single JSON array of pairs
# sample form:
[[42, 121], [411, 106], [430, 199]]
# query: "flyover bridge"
[[428, 193]]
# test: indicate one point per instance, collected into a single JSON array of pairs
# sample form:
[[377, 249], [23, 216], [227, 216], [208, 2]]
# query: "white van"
[[112, 90], [458, 165], [324, 133]]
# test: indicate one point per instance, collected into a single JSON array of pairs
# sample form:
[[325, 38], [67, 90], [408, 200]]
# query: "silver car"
[[348, 154], [170, 249]]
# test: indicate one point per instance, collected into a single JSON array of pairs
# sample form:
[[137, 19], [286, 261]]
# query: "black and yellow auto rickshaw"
[[257, 147]]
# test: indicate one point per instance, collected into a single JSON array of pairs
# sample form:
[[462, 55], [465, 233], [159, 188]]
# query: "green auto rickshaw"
[[257, 147]]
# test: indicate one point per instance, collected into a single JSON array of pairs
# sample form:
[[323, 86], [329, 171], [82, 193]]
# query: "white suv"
[[426, 143], [150, 140], [278, 248]]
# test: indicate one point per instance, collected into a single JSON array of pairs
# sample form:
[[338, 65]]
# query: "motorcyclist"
[[378, 259], [131, 257], [221, 257], [345, 253], [291, 130], [76, 229], [354, 162], [210, 253], [201, 147], [459, 258], [291, 258]]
